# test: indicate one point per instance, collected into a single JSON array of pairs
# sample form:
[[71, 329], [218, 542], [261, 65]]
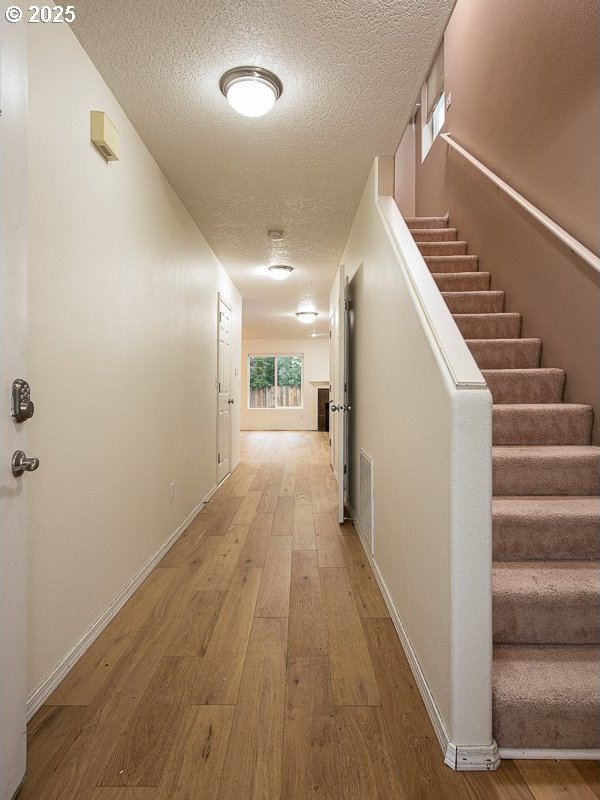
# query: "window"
[[433, 103], [275, 381]]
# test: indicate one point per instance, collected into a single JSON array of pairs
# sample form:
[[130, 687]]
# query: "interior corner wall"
[[523, 80], [122, 354], [315, 369]]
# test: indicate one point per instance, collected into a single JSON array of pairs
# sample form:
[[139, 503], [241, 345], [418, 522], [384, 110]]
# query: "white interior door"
[[342, 404], [225, 400], [13, 328]]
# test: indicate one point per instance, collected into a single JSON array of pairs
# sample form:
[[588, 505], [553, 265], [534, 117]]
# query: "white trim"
[[550, 755], [575, 246], [462, 758], [39, 696]]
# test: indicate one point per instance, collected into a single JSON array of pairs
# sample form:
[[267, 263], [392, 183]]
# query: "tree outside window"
[[275, 381]]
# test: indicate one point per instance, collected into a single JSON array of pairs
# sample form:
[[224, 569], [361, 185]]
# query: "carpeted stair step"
[[546, 697], [426, 222], [443, 248], [546, 602], [506, 353], [474, 302], [536, 528], [434, 234], [438, 264], [545, 470], [489, 326], [542, 423], [462, 281], [525, 385]]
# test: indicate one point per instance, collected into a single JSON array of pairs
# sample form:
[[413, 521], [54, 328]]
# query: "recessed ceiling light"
[[280, 272], [251, 91], [306, 317]]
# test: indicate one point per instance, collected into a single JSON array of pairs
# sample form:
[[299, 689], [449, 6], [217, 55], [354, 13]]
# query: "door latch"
[[21, 464]]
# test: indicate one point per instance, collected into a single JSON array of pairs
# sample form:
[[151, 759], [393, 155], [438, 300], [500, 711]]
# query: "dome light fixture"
[[280, 272], [251, 91], [306, 317]]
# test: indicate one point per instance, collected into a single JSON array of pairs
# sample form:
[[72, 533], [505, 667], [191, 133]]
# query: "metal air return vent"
[[366, 508]]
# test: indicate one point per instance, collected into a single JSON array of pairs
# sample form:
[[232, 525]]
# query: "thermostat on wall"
[[105, 137]]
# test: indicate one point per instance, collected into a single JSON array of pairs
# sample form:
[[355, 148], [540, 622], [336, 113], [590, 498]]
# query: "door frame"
[[226, 302], [13, 436]]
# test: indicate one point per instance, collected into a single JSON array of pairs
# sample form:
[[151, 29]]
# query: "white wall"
[[404, 172], [122, 353], [316, 368], [431, 444]]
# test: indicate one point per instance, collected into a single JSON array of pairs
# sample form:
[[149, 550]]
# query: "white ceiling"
[[351, 70]]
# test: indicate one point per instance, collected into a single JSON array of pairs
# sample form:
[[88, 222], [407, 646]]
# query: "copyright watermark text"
[[40, 14]]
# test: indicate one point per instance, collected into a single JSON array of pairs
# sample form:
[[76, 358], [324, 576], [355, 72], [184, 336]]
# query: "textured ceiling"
[[351, 70]]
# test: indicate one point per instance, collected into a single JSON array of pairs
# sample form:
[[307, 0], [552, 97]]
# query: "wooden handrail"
[[571, 242]]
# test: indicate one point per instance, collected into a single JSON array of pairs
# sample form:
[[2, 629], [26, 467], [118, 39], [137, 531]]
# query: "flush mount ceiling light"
[[251, 91], [306, 317], [280, 272], [275, 236]]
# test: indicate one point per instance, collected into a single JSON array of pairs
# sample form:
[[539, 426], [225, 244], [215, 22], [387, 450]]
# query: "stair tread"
[[505, 342], [546, 451], [583, 506], [429, 230], [482, 292], [546, 578], [551, 673]]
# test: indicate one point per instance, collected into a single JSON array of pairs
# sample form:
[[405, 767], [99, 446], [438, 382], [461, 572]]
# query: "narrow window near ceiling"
[[433, 103]]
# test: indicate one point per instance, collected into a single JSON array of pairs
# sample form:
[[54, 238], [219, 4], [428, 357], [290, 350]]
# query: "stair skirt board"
[[39, 696], [549, 755], [462, 758]]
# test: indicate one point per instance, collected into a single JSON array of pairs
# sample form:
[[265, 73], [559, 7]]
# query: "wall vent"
[[366, 508]]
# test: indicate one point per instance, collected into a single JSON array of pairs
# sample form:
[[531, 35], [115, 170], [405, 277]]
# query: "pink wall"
[[524, 83]]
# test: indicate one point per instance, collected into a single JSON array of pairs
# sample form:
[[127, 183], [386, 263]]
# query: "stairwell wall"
[[122, 354], [431, 448], [523, 80]]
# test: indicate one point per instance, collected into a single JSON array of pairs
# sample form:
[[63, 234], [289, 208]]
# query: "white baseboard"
[[39, 696], [550, 755], [458, 757]]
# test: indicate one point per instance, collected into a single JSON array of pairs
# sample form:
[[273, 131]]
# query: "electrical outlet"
[[172, 493]]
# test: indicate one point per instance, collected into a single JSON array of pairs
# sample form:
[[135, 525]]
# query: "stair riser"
[[489, 326], [452, 264], [433, 235], [474, 302], [526, 541], [560, 425], [546, 727], [416, 223], [463, 282], [520, 474], [443, 248], [527, 386], [506, 353], [551, 619]]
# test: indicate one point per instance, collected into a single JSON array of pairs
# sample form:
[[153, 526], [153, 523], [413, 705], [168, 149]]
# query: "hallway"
[[258, 660]]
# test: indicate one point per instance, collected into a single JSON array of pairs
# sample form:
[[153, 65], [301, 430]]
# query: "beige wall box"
[[105, 136]]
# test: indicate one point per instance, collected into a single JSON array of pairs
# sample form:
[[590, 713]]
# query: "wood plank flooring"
[[258, 660]]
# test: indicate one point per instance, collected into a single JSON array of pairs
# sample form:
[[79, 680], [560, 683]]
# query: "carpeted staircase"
[[545, 516]]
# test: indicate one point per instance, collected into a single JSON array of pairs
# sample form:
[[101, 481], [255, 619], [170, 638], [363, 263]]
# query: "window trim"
[[275, 356]]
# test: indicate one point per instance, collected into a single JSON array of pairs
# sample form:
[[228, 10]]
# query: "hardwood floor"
[[258, 660]]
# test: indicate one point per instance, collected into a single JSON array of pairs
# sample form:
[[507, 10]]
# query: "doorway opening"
[[323, 410]]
